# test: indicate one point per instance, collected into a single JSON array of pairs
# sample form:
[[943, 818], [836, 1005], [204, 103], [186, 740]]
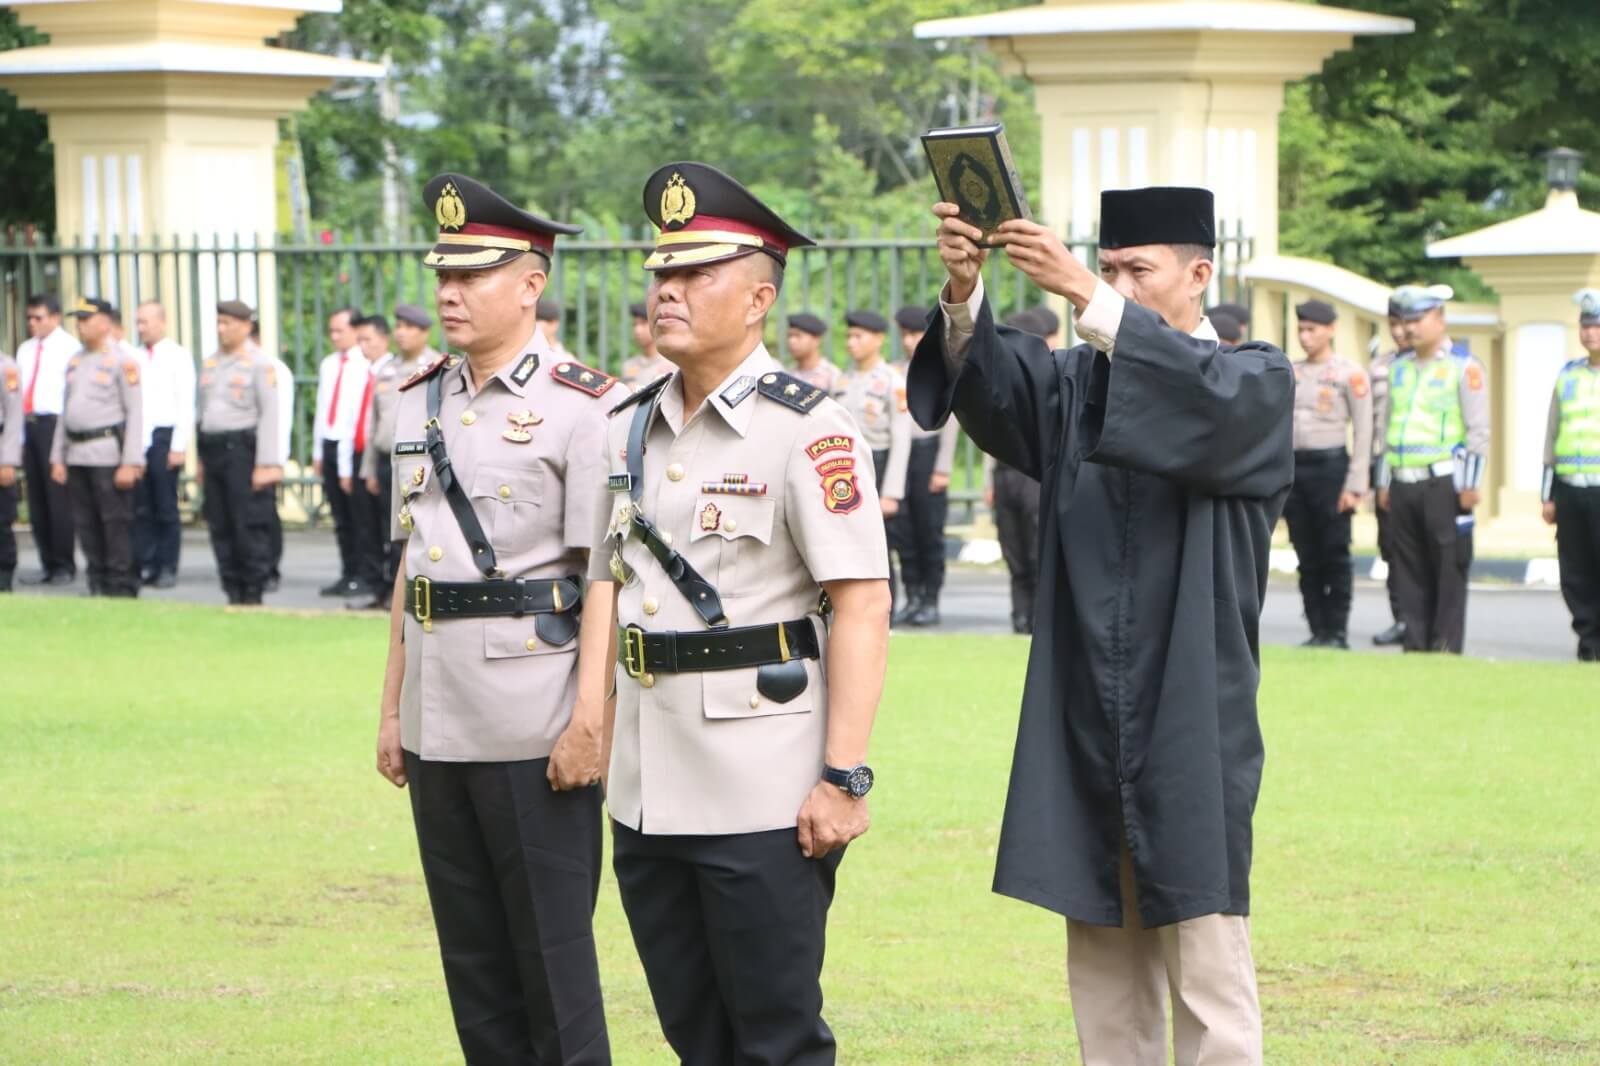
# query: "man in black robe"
[[1165, 460]]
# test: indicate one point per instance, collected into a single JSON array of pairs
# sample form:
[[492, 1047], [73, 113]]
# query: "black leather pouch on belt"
[[782, 682]]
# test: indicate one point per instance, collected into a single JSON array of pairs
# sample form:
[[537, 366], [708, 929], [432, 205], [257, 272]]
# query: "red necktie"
[[33, 379], [361, 421], [337, 381]]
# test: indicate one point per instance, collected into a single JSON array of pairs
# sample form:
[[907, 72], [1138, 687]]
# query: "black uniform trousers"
[[513, 873], [393, 550], [731, 931], [1578, 550], [236, 514], [49, 506], [102, 514], [1431, 559], [1016, 520], [892, 527], [8, 536], [157, 533], [354, 520], [274, 537], [1386, 551], [921, 519], [1321, 537]]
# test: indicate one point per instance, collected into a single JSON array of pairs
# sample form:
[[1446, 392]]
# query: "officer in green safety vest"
[[1435, 428], [1571, 490]]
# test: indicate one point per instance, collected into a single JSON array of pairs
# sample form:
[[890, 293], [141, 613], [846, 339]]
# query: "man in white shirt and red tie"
[[169, 389], [341, 385], [42, 362]]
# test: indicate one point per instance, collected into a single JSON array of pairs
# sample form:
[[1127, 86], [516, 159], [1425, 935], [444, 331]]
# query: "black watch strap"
[[857, 780]]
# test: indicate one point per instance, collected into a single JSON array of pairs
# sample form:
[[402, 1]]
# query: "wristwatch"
[[854, 782]]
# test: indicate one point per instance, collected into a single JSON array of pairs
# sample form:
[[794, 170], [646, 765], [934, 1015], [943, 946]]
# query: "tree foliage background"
[[567, 104]]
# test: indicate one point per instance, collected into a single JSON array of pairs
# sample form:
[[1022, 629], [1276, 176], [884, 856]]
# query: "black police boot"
[[1336, 638], [60, 578], [5, 580], [250, 597], [927, 612], [233, 594], [336, 588], [166, 579], [1587, 652], [1316, 640], [910, 607], [1395, 634]]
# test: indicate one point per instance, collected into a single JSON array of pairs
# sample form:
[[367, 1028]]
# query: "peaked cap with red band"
[[705, 217], [479, 228]]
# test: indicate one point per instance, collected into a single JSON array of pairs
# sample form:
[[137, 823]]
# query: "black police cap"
[[479, 228]]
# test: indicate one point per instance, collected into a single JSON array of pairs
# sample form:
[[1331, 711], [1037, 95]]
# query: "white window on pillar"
[[1539, 353], [1083, 198]]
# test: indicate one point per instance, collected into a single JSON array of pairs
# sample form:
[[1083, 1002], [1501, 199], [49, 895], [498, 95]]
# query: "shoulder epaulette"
[[790, 391], [426, 372], [1575, 363], [583, 378], [643, 394]]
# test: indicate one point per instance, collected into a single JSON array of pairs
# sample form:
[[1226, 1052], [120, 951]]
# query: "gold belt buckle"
[[633, 652], [422, 602]]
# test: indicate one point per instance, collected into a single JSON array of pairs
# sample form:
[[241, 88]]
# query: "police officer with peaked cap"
[[1435, 426], [640, 370], [874, 394], [811, 364], [495, 455], [1571, 486], [927, 502], [748, 545], [98, 452], [1332, 405]]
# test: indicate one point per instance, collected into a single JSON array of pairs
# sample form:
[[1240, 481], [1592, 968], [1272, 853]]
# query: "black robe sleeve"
[[1217, 421], [1007, 392]]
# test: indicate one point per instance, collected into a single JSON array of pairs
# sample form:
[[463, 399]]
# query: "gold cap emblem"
[[449, 208], [677, 201]]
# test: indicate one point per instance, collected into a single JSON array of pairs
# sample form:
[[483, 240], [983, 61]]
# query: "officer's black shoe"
[[1021, 626], [166, 579], [903, 616], [1395, 634], [340, 587], [927, 612], [250, 598], [60, 578], [1336, 639], [5, 580], [273, 581], [1587, 653], [1313, 641]]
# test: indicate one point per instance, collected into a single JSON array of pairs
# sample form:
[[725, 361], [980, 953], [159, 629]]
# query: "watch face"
[[860, 781]]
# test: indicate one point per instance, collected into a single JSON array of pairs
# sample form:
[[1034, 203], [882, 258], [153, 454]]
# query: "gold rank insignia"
[[417, 475], [677, 201], [406, 521], [450, 210], [711, 518], [619, 569], [521, 420]]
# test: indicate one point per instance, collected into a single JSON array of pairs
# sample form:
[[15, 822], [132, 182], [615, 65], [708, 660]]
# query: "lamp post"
[[1562, 167]]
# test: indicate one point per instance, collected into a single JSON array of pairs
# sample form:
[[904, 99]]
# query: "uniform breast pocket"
[[733, 694], [743, 524], [518, 638], [507, 499]]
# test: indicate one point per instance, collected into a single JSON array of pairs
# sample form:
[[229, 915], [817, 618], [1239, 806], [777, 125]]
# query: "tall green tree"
[[27, 165]]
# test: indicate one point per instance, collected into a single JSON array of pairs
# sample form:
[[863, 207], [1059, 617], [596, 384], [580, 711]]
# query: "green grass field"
[[198, 863]]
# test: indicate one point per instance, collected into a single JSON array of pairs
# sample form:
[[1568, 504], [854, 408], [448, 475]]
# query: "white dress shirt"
[[286, 409], [169, 384], [349, 371], [50, 389]]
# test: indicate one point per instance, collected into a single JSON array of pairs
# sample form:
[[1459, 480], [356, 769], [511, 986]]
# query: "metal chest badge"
[[711, 518], [521, 420]]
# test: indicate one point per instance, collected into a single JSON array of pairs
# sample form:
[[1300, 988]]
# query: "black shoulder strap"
[[701, 594], [460, 506], [790, 391], [643, 394]]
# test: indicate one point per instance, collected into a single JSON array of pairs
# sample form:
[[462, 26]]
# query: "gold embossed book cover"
[[973, 168]]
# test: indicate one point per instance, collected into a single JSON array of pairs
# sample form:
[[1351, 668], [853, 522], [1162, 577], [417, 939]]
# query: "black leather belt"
[[85, 436], [1312, 455], [694, 651], [427, 600], [228, 438]]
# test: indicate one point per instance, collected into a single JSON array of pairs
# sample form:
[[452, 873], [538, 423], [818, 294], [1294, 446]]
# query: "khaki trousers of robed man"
[[1120, 980]]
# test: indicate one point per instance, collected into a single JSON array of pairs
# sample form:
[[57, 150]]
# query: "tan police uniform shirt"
[[102, 390], [824, 376], [639, 371], [490, 689], [876, 399], [387, 377], [1332, 402], [10, 411], [948, 437], [240, 392], [767, 502]]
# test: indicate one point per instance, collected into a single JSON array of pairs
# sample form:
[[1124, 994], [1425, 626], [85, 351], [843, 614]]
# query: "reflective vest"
[[1425, 421], [1578, 437]]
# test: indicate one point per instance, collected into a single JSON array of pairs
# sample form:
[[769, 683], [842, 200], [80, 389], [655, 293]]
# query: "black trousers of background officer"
[[1016, 520], [370, 533], [157, 532], [8, 537], [1386, 551], [102, 514], [236, 514], [384, 503], [731, 931], [1321, 538], [1431, 560], [49, 506], [1578, 550], [892, 528], [513, 873], [352, 520], [921, 520]]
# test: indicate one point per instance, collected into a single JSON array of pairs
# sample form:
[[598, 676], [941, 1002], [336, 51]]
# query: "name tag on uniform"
[[620, 482], [410, 447]]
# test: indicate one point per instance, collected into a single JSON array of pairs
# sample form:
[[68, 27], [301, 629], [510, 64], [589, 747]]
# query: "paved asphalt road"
[[1503, 622]]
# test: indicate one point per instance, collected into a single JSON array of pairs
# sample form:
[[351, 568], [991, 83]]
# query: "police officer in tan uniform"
[[1435, 426], [811, 364], [241, 456], [1332, 405], [10, 459], [412, 353], [640, 370], [1378, 371], [874, 394], [499, 482], [927, 499], [743, 517], [98, 452]]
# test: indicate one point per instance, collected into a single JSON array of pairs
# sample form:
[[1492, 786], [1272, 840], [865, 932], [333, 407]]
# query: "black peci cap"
[[911, 318], [1317, 311], [1026, 320], [704, 216], [550, 309], [1164, 214], [1228, 328], [639, 311], [1049, 322], [806, 322], [413, 315], [479, 228], [236, 309], [868, 320]]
